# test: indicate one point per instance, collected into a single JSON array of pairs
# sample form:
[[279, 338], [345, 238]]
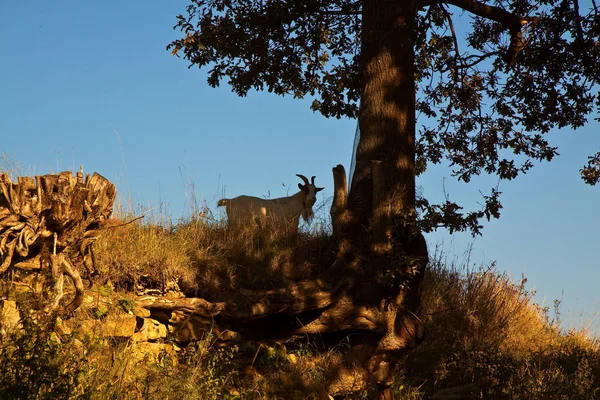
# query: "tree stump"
[[340, 199], [46, 220]]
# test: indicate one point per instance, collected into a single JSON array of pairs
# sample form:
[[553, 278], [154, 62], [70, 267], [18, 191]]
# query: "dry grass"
[[206, 259], [488, 307], [484, 332]]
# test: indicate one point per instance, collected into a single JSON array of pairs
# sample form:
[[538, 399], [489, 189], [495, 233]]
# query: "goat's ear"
[[318, 189], [302, 187]]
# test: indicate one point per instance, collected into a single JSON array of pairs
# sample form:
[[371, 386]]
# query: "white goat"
[[281, 214]]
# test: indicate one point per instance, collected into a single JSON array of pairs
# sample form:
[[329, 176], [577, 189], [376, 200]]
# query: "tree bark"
[[382, 197], [382, 229], [387, 111]]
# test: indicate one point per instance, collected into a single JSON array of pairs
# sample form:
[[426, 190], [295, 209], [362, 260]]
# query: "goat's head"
[[310, 196]]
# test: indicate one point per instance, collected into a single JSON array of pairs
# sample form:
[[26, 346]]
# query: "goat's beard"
[[307, 215]]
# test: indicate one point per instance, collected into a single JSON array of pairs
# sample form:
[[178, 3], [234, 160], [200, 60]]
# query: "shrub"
[[38, 363]]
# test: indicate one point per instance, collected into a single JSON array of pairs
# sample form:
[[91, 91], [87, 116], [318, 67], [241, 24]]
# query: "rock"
[[229, 336], [198, 328], [10, 318], [119, 325], [173, 290], [152, 353], [141, 312], [292, 358], [151, 330]]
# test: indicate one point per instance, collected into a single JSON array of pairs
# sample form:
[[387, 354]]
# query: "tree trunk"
[[340, 199], [387, 111], [382, 196]]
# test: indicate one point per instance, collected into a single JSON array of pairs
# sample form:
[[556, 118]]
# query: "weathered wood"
[[340, 198], [293, 299], [193, 306], [58, 212], [31, 264], [59, 278], [7, 252], [68, 269]]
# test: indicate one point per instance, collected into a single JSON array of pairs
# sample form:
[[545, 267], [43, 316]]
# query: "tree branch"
[[500, 15], [510, 21], [580, 48], [339, 12], [340, 198], [345, 9], [455, 40], [478, 58]]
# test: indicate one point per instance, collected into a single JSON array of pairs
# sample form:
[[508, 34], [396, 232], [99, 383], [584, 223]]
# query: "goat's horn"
[[312, 181], [303, 178]]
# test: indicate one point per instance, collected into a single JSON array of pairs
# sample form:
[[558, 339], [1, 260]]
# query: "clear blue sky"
[[73, 73]]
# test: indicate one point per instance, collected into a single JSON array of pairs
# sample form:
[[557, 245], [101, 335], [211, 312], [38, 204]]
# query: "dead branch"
[[340, 197], [193, 306]]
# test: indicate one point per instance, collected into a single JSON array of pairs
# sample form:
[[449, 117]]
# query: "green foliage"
[[270, 357], [37, 363], [206, 370], [127, 305], [288, 48], [134, 371], [569, 372], [485, 95], [100, 311], [590, 173], [106, 290]]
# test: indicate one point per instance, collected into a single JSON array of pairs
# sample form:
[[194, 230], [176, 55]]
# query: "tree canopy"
[[490, 77]]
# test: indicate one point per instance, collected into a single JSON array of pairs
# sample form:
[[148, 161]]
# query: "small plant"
[[206, 371], [127, 305], [106, 290], [100, 311], [37, 363]]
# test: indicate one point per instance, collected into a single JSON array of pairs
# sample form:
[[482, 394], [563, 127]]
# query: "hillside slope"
[[485, 336]]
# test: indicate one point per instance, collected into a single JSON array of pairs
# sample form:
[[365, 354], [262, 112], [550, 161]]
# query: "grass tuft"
[[206, 259]]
